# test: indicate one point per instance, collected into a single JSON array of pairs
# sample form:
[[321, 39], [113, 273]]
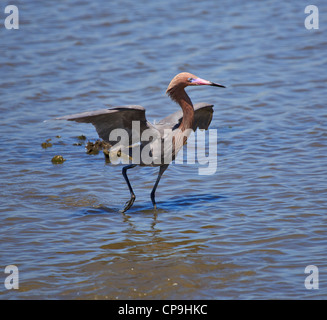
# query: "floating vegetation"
[[58, 159], [46, 144], [94, 148]]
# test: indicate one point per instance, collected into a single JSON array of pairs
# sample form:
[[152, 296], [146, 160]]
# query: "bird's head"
[[185, 79]]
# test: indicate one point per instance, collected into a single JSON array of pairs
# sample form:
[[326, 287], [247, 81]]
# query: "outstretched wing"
[[203, 113], [121, 117], [202, 117]]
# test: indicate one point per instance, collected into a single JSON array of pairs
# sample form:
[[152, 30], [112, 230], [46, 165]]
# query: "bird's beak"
[[199, 81], [216, 85]]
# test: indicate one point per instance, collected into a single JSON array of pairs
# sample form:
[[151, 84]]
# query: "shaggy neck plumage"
[[178, 94]]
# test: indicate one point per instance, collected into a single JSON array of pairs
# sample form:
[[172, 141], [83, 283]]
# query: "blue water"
[[246, 232]]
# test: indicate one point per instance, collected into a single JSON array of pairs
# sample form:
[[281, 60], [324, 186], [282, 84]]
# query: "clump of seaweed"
[[46, 144], [58, 159], [95, 147]]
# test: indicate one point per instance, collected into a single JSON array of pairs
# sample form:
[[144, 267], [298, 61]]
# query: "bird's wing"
[[121, 117], [202, 117]]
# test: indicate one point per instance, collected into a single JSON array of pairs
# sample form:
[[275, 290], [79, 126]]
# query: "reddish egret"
[[122, 117]]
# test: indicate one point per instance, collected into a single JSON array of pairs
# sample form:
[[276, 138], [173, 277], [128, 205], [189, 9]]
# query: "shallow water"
[[246, 232]]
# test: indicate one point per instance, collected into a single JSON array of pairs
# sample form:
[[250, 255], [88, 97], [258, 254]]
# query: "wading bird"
[[179, 123]]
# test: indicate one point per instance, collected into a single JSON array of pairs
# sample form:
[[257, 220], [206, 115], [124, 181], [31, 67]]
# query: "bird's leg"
[[132, 199], [161, 171]]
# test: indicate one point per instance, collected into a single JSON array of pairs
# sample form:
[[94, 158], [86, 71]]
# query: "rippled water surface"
[[246, 232]]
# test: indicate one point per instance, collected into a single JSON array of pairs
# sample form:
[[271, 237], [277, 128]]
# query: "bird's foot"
[[128, 204]]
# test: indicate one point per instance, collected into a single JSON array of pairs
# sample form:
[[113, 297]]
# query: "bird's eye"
[[190, 79]]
